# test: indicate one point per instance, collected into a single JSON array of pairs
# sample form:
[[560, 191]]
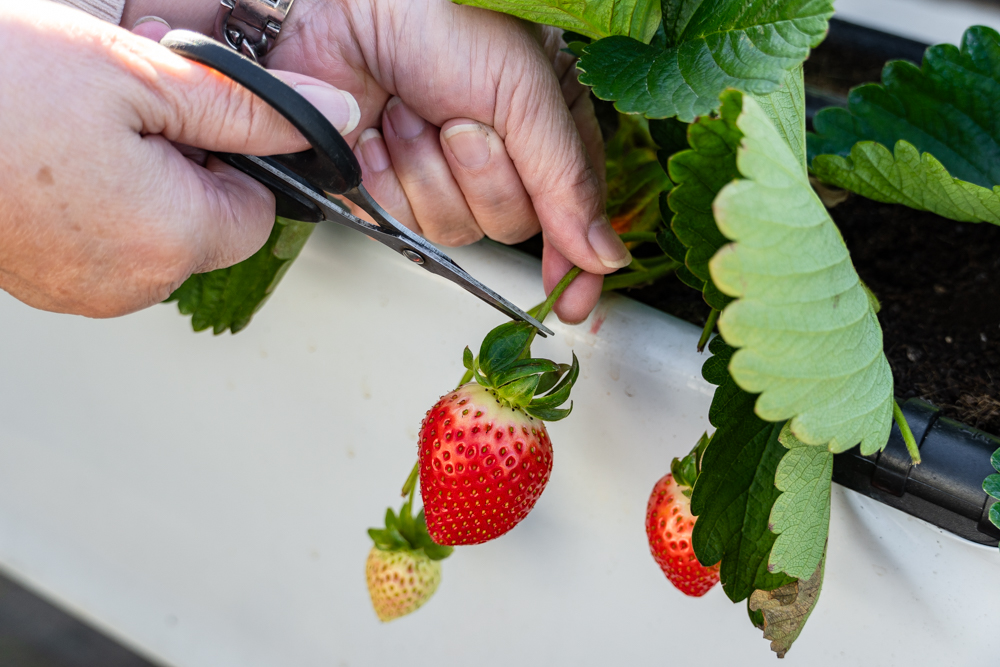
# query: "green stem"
[[466, 378], [541, 311], [904, 428], [713, 317], [638, 237], [546, 306], [623, 280], [411, 482]]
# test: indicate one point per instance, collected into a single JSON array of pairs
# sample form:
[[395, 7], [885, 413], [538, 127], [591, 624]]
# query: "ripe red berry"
[[669, 523], [483, 465]]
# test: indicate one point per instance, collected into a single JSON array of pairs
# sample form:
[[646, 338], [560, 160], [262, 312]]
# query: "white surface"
[[928, 21], [206, 499]]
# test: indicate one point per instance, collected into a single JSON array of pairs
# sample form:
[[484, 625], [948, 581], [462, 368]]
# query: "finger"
[[582, 294], [566, 189], [582, 109], [418, 160], [233, 218], [489, 181], [193, 104], [381, 181]]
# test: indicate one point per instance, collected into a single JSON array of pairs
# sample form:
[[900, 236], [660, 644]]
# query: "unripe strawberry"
[[404, 567], [400, 582]]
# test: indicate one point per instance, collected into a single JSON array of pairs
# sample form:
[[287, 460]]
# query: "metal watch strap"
[[251, 26]]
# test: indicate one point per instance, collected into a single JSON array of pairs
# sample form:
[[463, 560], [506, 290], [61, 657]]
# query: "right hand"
[[101, 213]]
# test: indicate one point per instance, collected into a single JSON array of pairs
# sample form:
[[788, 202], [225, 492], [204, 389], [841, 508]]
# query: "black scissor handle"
[[329, 166]]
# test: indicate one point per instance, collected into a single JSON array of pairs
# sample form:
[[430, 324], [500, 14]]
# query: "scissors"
[[300, 181]]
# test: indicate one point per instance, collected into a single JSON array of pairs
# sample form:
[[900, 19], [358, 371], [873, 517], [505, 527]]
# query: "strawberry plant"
[[991, 485], [711, 169]]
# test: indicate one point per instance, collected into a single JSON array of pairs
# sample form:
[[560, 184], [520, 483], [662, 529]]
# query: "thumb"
[[195, 105]]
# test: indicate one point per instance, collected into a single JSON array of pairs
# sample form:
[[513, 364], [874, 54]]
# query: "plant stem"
[[622, 280], [546, 306], [904, 428], [713, 317], [466, 378], [411, 482], [638, 237]]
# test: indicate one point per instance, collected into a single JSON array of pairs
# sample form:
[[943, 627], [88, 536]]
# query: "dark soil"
[[851, 55], [939, 284]]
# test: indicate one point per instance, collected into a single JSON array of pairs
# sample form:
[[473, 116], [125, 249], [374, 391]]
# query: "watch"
[[251, 26]]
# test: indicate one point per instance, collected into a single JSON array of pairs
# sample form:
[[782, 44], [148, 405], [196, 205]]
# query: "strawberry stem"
[[546, 306], [632, 278], [411, 481], [638, 237], [904, 428], [706, 333]]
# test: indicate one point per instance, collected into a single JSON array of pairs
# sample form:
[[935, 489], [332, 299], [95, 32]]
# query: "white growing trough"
[[206, 499]]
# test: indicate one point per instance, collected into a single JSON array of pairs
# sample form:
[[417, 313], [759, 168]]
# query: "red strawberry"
[[484, 454], [482, 466], [669, 523]]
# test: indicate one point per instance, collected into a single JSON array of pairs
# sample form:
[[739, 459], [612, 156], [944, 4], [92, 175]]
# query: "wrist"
[[197, 15]]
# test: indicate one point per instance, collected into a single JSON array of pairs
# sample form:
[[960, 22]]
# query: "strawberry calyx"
[[505, 366], [686, 470], [404, 532]]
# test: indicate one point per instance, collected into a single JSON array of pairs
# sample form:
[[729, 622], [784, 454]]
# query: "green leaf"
[[809, 340], [940, 119], [735, 489], [522, 369], [801, 514], [503, 346], [560, 392], [991, 485], [670, 136], [467, 358], [549, 380], [709, 45], [668, 241], [784, 611], [635, 177], [700, 173], [906, 177], [406, 533], [519, 392], [228, 298], [549, 414], [593, 18]]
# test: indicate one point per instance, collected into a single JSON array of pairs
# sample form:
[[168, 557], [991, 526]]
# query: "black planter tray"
[[946, 489]]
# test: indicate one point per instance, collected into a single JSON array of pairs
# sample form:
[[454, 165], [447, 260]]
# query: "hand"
[[101, 214], [472, 123]]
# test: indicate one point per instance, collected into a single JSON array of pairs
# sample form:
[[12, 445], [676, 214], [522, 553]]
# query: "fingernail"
[[469, 143], [605, 242], [147, 19], [339, 106], [373, 150], [407, 124], [152, 27]]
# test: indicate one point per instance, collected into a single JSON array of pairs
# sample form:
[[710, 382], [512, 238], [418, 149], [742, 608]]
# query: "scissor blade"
[[391, 233]]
